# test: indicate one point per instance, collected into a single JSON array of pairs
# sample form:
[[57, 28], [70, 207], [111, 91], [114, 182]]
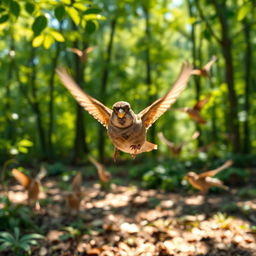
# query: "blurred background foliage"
[[136, 50]]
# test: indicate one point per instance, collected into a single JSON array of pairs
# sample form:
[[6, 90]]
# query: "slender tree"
[[226, 45], [248, 58], [104, 81], [148, 63], [80, 146], [51, 99], [35, 103], [196, 55]]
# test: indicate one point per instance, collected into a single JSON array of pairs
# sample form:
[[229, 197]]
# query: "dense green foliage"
[[138, 49]]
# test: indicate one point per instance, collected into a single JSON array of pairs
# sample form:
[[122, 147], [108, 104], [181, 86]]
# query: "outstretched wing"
[[22, 178], [200, 104], [102, 172], [77, 182], [150, 114], [208, 65], [93, 106], [170, 144], [215, 171]]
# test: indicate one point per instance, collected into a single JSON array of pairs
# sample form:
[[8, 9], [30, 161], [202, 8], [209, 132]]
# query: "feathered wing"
[[77, 182], [213, 182], [93, 106], [150, 114], [208, 65], [165, 141], [102, 172], [200, 104], [217, 170], [22, 178], [76, 51]]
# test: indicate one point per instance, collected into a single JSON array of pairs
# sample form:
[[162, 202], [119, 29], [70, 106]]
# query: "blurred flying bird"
[[75, 196], [32, 186], [126, 129], [206, 68], [82, 54], [204, 181], [103, 174], [177, 148], [194, 112]]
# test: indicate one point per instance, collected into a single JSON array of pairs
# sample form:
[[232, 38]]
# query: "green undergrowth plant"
[[164, 176], [18, 243], [15, 215]]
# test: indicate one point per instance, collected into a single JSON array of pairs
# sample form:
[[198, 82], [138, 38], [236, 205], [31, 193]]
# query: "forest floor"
[[127, 220]]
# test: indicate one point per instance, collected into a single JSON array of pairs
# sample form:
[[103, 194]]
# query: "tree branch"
[[207, 22]]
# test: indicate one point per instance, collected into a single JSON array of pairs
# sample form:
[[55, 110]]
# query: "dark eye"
[[126, 108]]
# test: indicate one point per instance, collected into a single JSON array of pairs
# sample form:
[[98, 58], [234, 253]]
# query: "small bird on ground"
[[74, 197], [194, 112], [176, 148], [126, 129], [204, 181], [206, 68], [103, 174], [82, 54], [32, 186]]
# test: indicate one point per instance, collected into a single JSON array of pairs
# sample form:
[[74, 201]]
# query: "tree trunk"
[[248, 73], [51, 101], [197, 79], [80, 147], [148, 79], [36, 107], [9, 127], [104, 81], [226, 45]]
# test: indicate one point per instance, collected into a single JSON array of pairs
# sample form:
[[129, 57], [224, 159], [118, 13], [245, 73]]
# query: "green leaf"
[[15, 8], [4, 18], [59, 12], [7, 236], [24, 246], [74, 15], [31, 237], [94, 17], [5, 245], [37, 41], [243, 12], [57, 36], [92, 11], [30, 8], [39, 24], [25, 143], [2, 9], [79, 6], [23, 150], [90, 27], [48, 41], [17, 233]]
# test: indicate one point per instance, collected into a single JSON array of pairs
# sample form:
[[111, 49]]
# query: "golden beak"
[[121, 113]]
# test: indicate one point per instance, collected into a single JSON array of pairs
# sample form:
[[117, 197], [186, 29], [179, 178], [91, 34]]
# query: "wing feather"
[[217, 170], [22, 178], [200, 104], [93, 106], [150, 114], [208, 65], [77, 182]]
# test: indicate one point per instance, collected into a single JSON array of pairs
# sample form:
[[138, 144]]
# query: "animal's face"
[[122, 115]]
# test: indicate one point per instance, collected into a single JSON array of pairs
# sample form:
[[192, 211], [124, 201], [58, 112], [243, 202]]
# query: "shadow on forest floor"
[[127, 220]]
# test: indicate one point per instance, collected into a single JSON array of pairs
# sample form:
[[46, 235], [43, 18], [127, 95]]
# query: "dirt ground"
[[126, 220]]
